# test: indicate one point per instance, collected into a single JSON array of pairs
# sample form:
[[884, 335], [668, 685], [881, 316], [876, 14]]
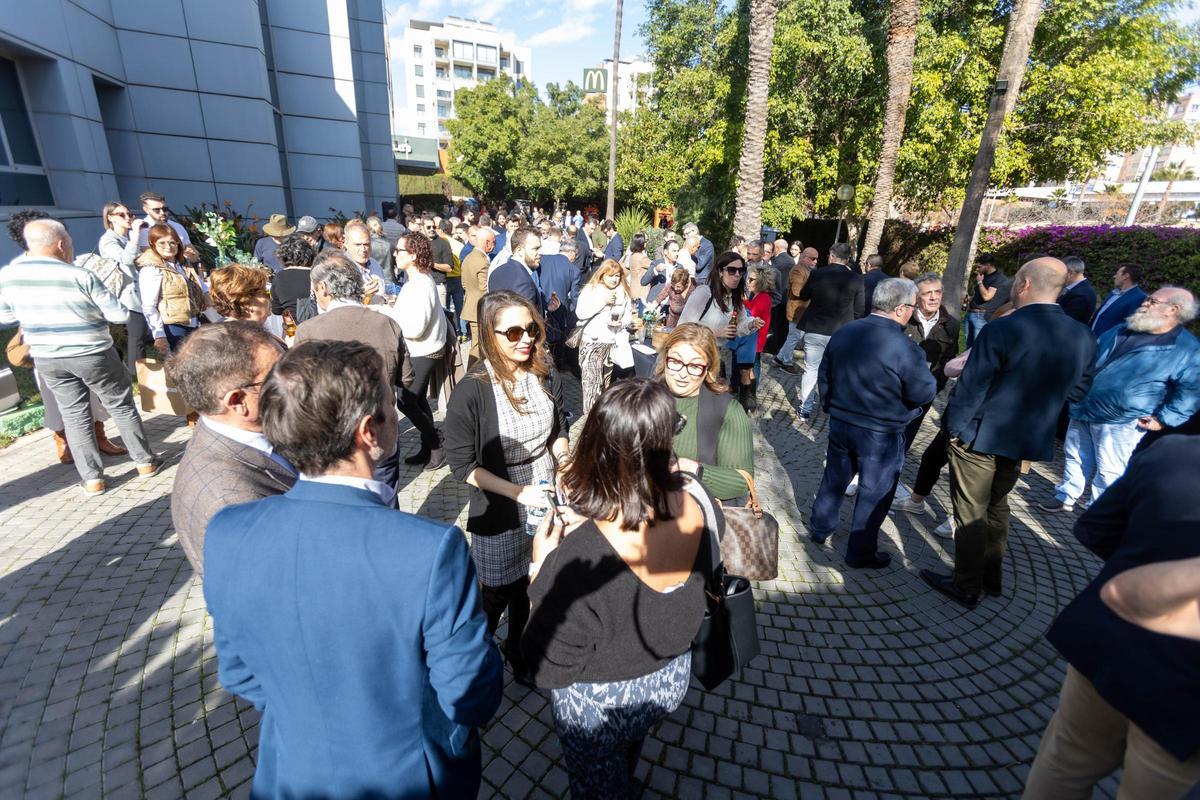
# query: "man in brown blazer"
[[338, 288], [796, 307], [219, 370], [474, 279]]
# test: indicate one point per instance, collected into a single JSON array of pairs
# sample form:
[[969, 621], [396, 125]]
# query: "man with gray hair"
[[705, 253], [64, 311], [1147, 379], [1078, 298], [338, 288], [873, 381]]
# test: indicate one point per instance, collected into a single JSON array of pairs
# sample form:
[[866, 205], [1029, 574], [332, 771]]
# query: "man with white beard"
[[1147, 379]]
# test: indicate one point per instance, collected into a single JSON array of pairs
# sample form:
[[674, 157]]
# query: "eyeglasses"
[[680, 423], [514, 334], [1153, 301], [695, 370], [733, 270]]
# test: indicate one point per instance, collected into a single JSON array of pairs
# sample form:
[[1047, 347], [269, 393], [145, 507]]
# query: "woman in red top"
[[759, 284]]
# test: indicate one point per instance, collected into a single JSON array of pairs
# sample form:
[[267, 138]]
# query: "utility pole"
[[1019, 38], [611, 206], [1141, 187]]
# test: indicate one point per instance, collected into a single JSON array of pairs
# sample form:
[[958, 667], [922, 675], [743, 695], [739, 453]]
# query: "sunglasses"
[[733, 270], [514, 334], [124, 214]]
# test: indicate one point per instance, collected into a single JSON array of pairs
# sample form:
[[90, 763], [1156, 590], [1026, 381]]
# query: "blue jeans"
[[454, 297], [787, 351], [814, 351], [974, 322], [877, 458], [1098, 451]]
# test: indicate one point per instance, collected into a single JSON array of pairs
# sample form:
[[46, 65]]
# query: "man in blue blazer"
[[704, 255], [1078, 298], [522, 273], [560, 281], [1125, 298], [1004, 411], [355, 629]]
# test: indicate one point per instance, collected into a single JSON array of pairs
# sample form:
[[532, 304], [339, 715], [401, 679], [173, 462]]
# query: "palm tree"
[[747, 219], [1171, 173], [901, 47]]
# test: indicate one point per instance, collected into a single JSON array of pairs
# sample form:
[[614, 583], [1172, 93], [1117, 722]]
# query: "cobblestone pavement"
[[869, 685]]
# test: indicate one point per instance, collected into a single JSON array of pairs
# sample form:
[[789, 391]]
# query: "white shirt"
[[144, 236], [254, 439], [377, 488], [927, 324], [418, 312], [1071, 286], [338, 304]]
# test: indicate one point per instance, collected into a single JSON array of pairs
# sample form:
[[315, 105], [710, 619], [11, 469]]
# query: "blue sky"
[[565, 36]]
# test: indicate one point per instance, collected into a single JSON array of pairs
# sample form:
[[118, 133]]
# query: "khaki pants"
[[979, 487], [1087, 739]]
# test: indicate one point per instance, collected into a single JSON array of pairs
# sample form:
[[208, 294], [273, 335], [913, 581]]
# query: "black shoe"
[[877, 561], [992, 592], [945, 584], [437, 459], [419, 457], [790, 369], [746, 398], [819, 540]]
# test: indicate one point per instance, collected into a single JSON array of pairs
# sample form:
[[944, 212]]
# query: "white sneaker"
[[946, 529], [852, 489], [902, 492], [909, 505]]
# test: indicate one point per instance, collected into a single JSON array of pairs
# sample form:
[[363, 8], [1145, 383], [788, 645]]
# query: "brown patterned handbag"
[[750, 547]]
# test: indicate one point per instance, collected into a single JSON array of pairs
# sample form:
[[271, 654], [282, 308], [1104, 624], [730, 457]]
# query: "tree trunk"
[[901, 48], [1166, 200], [747, 219], [1017, 42], [610, 206]]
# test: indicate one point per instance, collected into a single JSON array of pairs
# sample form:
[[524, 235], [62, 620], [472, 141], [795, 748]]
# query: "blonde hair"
[[375, 226], [608, 267], [702, 339]]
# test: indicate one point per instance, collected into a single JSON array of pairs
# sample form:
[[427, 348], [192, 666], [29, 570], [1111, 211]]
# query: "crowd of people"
[[595, 553]]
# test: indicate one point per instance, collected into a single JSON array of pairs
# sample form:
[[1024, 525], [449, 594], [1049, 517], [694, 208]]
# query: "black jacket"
[[1021, 370], [1079, 302], [1149, 515], [940, 346], [835, 295], [472, 439]]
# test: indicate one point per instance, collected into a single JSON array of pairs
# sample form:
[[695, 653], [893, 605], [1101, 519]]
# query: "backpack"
[[107, 270]]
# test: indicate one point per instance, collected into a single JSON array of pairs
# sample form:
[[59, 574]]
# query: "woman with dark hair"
[[334, 236], [505, 431], [120, 243], [173, 294], [292, 283], [619, 598], [716, 432], [719, 304], [423, 322], [239, 291]]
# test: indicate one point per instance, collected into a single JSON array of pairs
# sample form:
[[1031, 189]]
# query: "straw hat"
[[278, 226]]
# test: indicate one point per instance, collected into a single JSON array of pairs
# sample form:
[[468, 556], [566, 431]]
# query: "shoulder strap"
[[707, 306], [752, 504], [712, 407], [714, 527]]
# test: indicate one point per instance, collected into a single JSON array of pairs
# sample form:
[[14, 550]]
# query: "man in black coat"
[[874, 381], [1021, 370], [1078, 298], [935, 332], [1131, 697], [835, 298], [783, 264]]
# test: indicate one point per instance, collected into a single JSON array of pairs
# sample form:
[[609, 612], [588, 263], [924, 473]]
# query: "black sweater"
[[472, 439], [288, 286]]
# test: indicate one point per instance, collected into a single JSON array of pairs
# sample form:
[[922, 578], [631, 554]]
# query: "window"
[[485, 54], [23, 181], [439, 52], [418, 51], [420, 90], [464, 50], [463, 72], [442, 130], [486, 74], [420, 129], [517, 70], [443, 94], [420, 108], [419, 71], [504, 62], [443, 110], [440, 72]]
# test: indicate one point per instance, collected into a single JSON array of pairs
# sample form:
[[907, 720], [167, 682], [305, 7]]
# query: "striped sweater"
[[64, 310]]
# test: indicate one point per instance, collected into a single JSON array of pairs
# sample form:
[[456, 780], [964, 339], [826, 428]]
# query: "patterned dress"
[[504, 557]]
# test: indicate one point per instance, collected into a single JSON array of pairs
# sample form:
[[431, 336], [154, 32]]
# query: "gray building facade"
[[272, 105]]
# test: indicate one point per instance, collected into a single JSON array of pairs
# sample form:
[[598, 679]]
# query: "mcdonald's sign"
[[595, 81]]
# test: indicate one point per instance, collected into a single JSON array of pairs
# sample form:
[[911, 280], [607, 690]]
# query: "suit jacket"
[[797, 277], [704, 260], [870, 280], [1079, 302], [1148, 515], [1118, 310], [615, 247], [1021, 370], [475, 283], [361, 324], [560, 277], [939, 346], [356, 630], [835, 295], [583, 251], [216, 472], [514, 276]]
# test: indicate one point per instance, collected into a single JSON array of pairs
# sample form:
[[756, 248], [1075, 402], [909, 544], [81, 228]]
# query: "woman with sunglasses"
[[423, 322], [173, 294], [505, 431], [719, 304], [716, 439], [605, 310], [618, 600], [120, 243]]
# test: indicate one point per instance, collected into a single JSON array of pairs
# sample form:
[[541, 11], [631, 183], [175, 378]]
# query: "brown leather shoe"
[[106, 446], [64, 450]]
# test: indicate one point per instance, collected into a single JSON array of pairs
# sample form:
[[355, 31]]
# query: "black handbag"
[[728, 636]]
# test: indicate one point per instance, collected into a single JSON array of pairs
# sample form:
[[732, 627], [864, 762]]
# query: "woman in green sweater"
[[716, 436]]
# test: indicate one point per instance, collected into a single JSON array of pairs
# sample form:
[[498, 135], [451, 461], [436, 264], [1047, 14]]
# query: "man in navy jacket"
[[560, 280], [873, 380], [704, 256], [1131, 697], [522, 273], [1125, 298], [1021, 370], [354, 628], [1078, 298]]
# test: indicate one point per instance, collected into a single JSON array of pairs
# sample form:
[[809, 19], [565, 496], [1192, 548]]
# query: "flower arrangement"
[[221, 234]]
